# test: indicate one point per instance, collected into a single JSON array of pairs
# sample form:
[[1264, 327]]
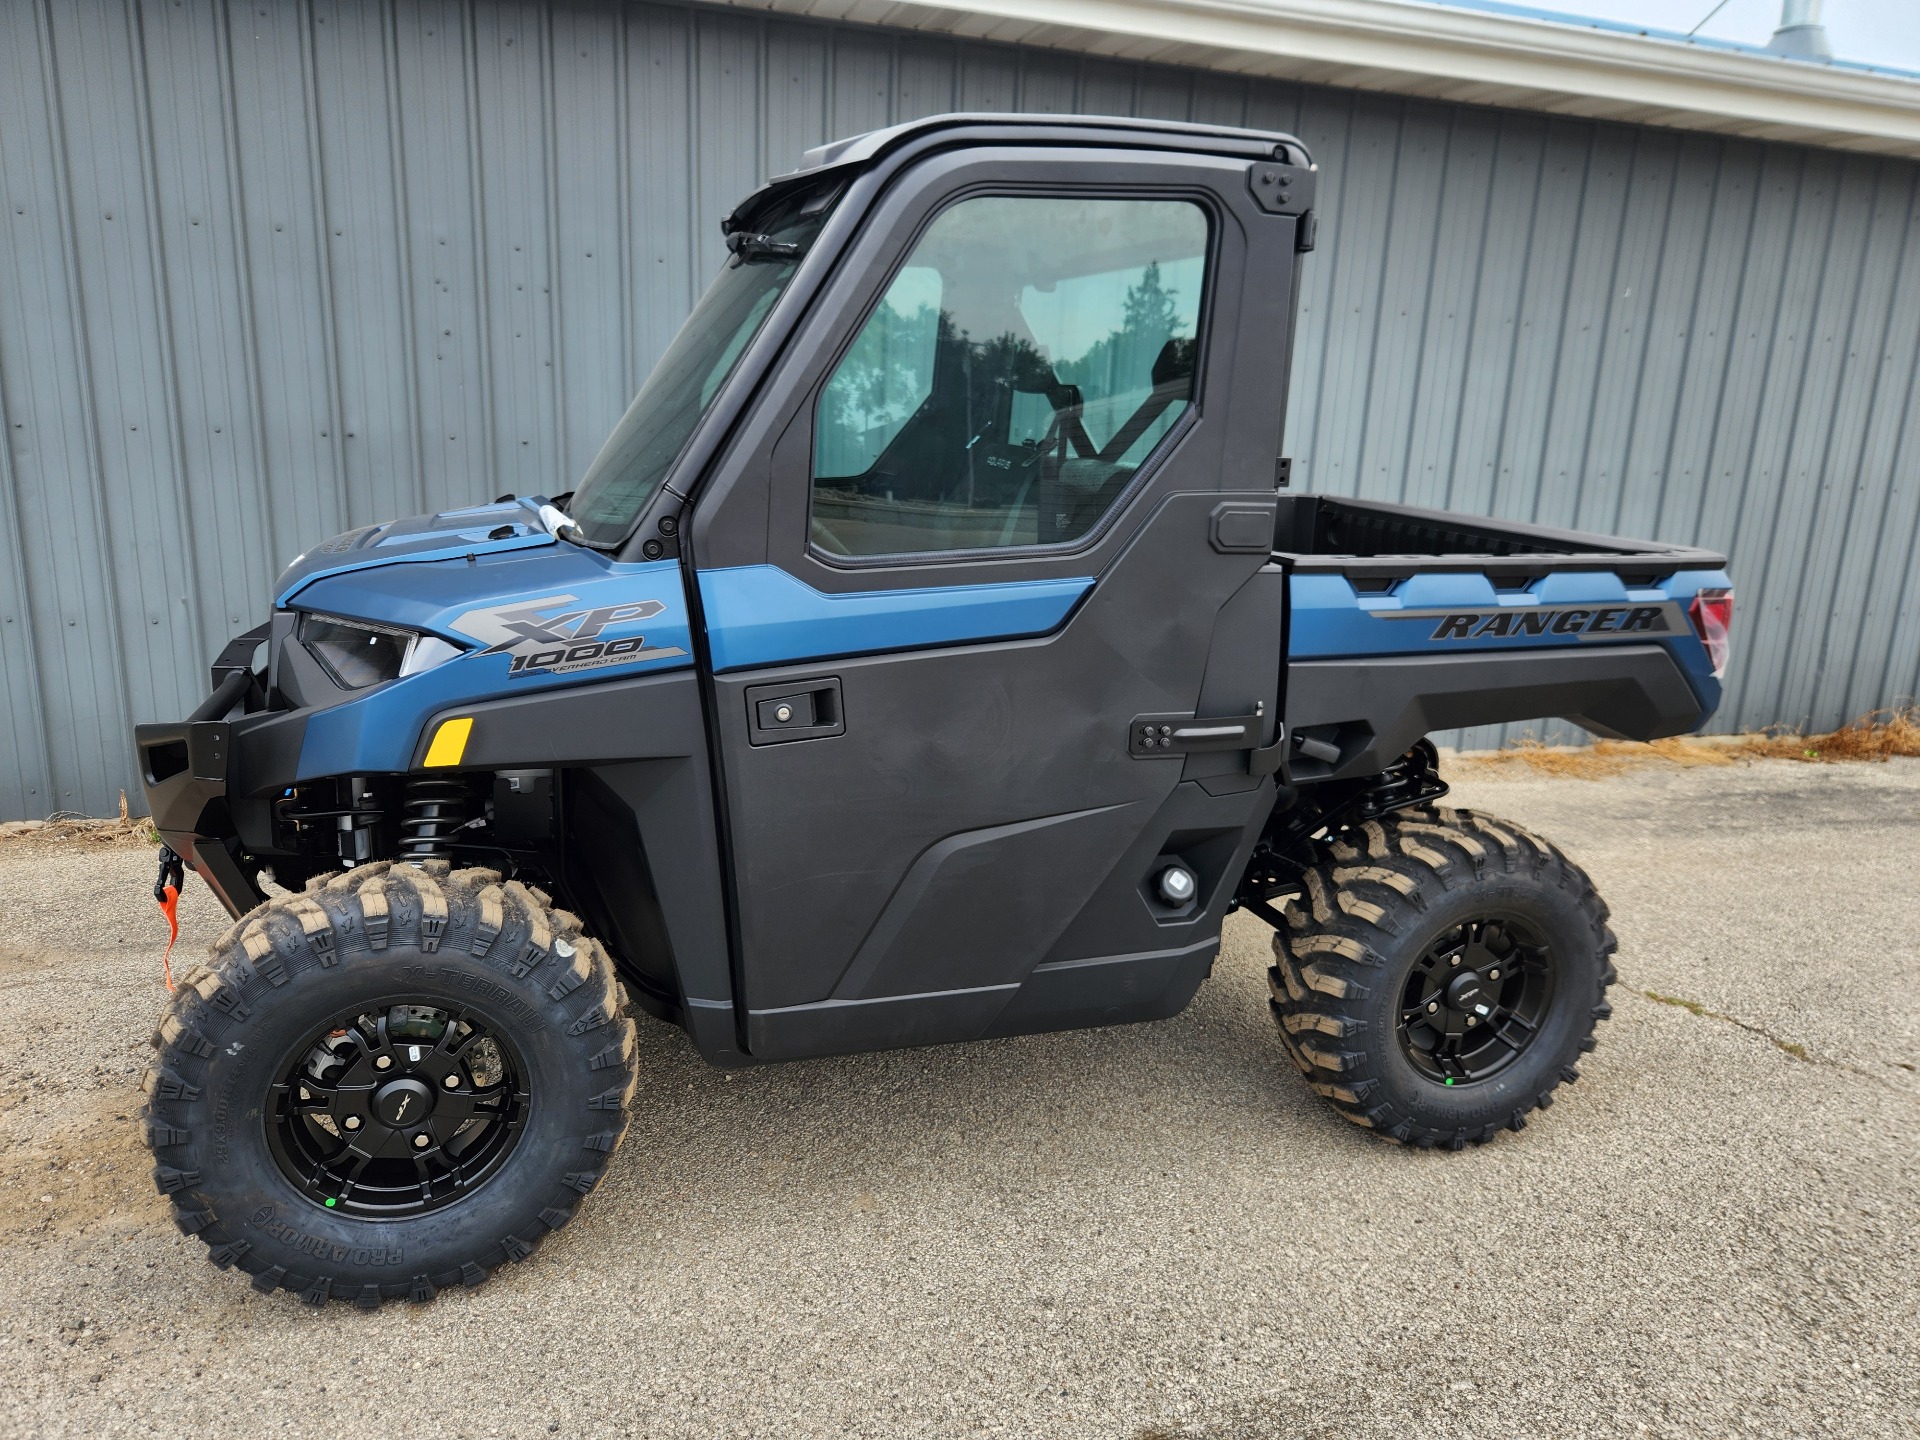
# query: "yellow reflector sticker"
[[450, 741]]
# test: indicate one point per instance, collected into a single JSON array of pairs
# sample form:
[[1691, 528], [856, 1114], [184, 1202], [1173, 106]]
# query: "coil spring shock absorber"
[[436, 810]]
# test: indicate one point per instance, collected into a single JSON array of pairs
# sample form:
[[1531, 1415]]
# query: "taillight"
[[1712, 616]]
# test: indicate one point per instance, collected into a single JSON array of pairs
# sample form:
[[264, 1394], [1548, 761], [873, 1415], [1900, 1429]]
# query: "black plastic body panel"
[[897, 884], [201, 774], [1632, 692], [1248, 634], [1106, 990], [642, 718], [641, 857], [191, 811]]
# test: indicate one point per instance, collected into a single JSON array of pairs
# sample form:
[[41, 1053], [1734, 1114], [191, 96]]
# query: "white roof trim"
[[1447, 54]]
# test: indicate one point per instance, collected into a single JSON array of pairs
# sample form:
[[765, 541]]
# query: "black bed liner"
[[1369, 540]]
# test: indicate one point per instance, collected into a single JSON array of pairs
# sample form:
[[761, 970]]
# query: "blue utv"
[[934, 651]]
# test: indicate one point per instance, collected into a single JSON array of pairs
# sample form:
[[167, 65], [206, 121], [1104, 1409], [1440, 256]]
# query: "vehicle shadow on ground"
[[985, 1112]]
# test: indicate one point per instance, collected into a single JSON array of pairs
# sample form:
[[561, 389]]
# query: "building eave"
[[1446, 54]]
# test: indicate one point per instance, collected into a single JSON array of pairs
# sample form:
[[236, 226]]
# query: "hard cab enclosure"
[[930, 654]]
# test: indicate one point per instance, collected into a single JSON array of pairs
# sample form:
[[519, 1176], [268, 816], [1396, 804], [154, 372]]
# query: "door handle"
[[795, 710], [1151, 736]]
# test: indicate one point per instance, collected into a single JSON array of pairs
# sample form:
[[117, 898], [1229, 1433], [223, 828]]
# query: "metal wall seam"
[[325, 308], [1901, 682], [25, 782], [1486, 390], [1881, 668], [1805, 278], [1816, 600], [406, 315], [85, 715], [180, 542], [1406, 268]]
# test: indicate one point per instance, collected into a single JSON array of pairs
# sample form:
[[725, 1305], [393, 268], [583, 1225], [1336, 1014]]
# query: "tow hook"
[[166, 894]]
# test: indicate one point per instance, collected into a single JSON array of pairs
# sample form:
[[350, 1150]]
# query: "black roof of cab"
[[859, 152]]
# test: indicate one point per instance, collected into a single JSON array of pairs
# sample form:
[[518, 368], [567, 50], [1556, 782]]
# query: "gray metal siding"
[[273, 270]]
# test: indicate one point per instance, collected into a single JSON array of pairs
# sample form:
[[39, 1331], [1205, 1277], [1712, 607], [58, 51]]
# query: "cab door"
[[1001, 519]]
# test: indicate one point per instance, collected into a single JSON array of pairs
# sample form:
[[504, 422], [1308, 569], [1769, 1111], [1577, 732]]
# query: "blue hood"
[[445, 536], [549, 616]]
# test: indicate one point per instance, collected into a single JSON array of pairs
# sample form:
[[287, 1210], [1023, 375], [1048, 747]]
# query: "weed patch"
[[1880, 735], [1694, 1007], [122, 831]]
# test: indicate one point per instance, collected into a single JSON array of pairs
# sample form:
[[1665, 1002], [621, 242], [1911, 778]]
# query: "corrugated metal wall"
[[271, 270]]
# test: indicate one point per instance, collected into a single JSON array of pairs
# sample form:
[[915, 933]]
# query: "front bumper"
[[199, 771]]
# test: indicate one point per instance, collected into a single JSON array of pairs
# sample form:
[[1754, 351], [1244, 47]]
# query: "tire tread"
[[1372, 887], [336, 918]]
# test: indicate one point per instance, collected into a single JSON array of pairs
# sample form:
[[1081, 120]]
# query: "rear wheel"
[[394, 1082], [1441, 975]]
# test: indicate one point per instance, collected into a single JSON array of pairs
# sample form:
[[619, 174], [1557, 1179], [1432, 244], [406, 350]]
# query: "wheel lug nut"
[[352, 1122], [1470, 1020], [385, 1062], [452, 1082], [1455, 961], [1493, 974], [1433, 1007], [420, 1142]]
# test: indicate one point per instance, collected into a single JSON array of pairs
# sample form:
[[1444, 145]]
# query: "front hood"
[[545, 617], [477, 530]]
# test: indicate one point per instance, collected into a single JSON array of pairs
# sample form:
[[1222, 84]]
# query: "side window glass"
[[1018, 370], [884, 378]]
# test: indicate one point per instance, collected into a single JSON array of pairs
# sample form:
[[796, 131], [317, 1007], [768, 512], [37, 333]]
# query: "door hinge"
[[1281, 189]]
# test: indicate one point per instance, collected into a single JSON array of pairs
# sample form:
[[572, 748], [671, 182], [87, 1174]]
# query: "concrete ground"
[[1154, 1231]]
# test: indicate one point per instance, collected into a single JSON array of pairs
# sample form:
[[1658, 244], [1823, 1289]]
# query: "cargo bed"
[[1402, 622]]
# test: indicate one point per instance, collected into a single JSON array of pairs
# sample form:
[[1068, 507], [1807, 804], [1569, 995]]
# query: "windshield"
[[650, 436]]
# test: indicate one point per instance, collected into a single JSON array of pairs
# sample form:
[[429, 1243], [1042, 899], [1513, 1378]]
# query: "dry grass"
[[1880, 735], [123, 831]]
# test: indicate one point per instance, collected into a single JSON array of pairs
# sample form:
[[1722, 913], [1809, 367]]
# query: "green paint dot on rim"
[[1449, 1081], [331, 1202]]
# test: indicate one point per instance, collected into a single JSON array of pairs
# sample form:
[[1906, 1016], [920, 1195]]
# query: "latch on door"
[[794, 710], [1151, 736]]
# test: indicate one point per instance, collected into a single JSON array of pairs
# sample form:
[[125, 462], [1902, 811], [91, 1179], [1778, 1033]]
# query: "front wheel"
[[394, 1082], [1441, 975]]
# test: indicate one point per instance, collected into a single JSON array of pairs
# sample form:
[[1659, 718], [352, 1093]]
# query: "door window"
[[1010, 382]]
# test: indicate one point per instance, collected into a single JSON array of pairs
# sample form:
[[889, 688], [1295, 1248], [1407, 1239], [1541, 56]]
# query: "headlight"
[[358, 653]]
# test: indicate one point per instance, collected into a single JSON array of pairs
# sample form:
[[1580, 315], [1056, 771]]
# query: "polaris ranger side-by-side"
[[933, 652]]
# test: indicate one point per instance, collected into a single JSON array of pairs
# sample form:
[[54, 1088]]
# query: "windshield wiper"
[[749, 249]]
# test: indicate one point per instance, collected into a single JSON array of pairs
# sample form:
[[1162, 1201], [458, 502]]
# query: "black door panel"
[[973, 850], [948, 743], [1011, 883]]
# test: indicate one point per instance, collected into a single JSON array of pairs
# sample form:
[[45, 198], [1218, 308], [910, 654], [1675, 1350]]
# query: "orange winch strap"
[[170, 907]]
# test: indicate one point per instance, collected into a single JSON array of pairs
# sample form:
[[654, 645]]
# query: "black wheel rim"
[[1475, 999], [397, 1108]]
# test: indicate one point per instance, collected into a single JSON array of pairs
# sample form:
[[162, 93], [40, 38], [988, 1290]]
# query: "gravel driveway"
[[1153, 1231]]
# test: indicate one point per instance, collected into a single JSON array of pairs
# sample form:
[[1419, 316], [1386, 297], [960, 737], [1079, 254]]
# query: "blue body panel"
[[531, 613], [602, 620], [452, 534], [475, 596], [1333, 620], [761, 615]]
